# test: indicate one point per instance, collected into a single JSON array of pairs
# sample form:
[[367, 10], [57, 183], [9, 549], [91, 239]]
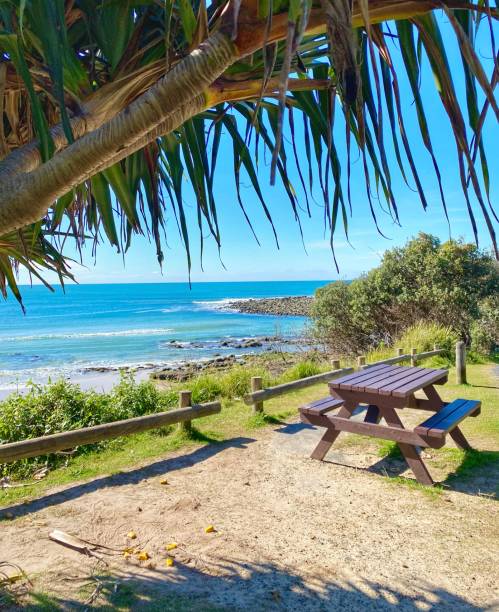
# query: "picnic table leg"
[[410, 453], [330, 435], [456, 434]]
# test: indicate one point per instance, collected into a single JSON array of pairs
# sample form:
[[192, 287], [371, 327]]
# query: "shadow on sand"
[[241, 586], [133, 476], [476, 474]]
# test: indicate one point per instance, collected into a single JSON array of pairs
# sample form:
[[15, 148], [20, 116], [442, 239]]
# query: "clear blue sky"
[[245, 260]]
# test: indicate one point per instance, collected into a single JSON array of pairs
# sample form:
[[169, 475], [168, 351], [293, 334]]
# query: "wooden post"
[[436, 347], [400, 352], [361, 361], [461, 363], [184, 401], [413, 359], [335, 364], [257, 385]]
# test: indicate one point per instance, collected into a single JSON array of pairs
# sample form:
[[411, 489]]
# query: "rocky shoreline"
[[299, 306]]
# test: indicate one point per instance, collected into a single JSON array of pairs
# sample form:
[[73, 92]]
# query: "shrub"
[[485, 329], [63, 406], [423, 336], [302, 369], [424, 280]]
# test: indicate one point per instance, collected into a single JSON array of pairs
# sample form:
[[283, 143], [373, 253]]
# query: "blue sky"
[[245, 260]]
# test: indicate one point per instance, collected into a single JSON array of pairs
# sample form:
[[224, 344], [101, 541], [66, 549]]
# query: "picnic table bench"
[[384, 389]]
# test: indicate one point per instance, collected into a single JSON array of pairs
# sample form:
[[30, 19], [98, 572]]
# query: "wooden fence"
[[258, 395], [186, 412], [89, 435]]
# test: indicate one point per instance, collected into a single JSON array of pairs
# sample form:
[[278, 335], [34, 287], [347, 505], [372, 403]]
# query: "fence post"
[[335, 364], [413, 359], [184, 401], [361, 361], [400, 352], [461, 363], [257, 385], [436, 347]]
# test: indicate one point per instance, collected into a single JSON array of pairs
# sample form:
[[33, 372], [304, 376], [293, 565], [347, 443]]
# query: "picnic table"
[[384, 389]]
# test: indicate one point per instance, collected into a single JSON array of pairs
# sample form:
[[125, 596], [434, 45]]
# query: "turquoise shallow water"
[[130, 325]]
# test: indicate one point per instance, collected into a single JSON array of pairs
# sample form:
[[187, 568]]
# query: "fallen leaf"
[[127, 554], [143, 556], [209, 529], [131, 535], [171, 546], [164, 481], [169, 562]]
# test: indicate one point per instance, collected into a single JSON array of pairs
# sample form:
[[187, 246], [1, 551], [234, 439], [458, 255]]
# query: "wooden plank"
[[331, 434], [410, 452], [88, 435], [413, 385], [410, 373], [377, 431], [448, 417], [266, 394], [395, 373], [368, 375], [322, 406], [345, 379], [348, 382]]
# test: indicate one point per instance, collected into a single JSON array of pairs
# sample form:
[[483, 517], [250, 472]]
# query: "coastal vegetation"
[[453, 286], [235, 420], [106, 108], [62, 406]]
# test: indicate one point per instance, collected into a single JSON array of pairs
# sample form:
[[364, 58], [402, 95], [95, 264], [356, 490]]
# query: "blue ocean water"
[[120, 325]]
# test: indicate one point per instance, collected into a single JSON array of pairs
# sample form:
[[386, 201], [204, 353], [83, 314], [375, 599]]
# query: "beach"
[[89, 333]]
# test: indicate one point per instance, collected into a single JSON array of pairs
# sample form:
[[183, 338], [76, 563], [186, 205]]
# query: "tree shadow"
[[235, 585], [133, 476]]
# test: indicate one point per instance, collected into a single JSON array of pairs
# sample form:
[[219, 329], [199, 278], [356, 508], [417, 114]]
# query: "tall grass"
[[423, 337]]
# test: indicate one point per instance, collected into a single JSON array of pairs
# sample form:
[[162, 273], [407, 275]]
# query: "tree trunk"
[[28, 188], [168, 102]]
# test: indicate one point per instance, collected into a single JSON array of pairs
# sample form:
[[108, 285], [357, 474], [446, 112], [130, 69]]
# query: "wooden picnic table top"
[[389, 380]]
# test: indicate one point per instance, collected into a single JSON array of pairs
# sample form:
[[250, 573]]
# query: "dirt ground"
[[291, 533]]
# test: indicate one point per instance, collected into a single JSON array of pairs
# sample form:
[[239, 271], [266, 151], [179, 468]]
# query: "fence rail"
[[259, 395], [89, 435], [186, 413]]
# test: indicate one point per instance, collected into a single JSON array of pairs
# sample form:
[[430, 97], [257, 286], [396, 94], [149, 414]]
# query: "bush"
[[63, 406], [485, 329], [423, 336], [423, 281]]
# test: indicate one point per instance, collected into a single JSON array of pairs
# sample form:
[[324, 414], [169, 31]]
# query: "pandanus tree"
[[107, 106]]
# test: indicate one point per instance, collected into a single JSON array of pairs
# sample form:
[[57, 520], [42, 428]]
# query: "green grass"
[[236, 420]]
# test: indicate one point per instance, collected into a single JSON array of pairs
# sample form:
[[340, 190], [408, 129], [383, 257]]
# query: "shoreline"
[[187, 358], [103, 378], [294, 306]]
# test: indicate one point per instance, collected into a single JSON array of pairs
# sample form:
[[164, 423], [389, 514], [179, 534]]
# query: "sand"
[[291, 533]]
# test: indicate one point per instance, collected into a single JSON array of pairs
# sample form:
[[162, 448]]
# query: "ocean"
[[76, 333]]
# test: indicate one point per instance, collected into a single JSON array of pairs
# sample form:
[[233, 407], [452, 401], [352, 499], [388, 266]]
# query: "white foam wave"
[[220, 304], [99, 334]]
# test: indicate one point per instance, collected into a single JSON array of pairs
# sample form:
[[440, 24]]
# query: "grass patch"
[[235, 420], [389, 450], [433, 493]]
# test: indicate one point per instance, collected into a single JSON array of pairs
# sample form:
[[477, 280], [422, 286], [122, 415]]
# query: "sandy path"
[[291, 533]]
